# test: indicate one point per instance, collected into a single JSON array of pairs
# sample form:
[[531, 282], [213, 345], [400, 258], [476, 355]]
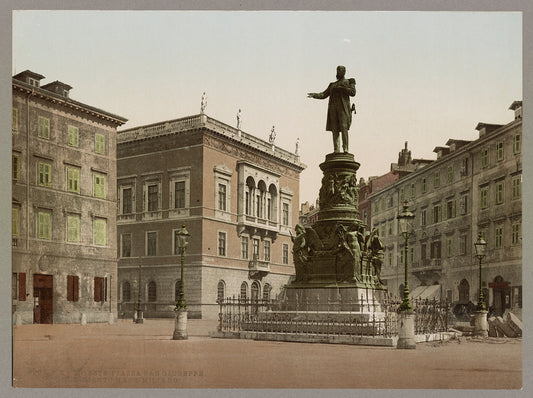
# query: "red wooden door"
[[42, 298]]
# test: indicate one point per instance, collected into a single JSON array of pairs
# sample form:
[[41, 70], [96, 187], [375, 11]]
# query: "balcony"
[[427, 269], [257, 226], [124, 218], [152, 215], [258, 268]]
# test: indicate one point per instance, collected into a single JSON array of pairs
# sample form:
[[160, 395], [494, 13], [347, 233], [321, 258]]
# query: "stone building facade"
[[472, 187], [64, 265], [238, 197]]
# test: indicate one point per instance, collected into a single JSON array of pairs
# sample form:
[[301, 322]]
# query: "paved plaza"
[[128, 355]]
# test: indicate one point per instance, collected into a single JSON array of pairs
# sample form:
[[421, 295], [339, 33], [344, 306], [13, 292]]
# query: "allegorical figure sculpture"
[[239, 120], [272, 137], [300, 253], [203, 105], [375, 246], [339, 111]]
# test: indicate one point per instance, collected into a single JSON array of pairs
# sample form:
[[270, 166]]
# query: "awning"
[[426, 292]]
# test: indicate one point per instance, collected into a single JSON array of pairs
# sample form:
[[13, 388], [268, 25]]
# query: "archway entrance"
[[501, 295]]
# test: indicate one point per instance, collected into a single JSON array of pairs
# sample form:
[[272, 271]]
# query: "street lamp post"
[[139, 317], [406, 330], [180, 328], [481, 327]]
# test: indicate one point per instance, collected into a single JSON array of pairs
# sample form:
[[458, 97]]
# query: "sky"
[[422, 77]]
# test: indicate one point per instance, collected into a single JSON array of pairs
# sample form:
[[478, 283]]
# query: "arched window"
[[221, 291], [256, 290], [260, 199], [249, 197], [152, 291], [177, 287], [272, 213], [126, 291], [464, 291], [266, 292], [244, 291]]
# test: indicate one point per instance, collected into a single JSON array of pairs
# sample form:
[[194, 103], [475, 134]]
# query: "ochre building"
[[238, 197], [63, 206]]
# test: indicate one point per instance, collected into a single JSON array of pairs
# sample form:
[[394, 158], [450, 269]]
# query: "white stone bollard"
[[406, 330], [83, 320], [180, 327], [481, 325]]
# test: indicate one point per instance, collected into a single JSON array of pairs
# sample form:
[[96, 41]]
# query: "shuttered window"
[[15, 166], [44, 127], [44, 225], [73, 134], [73, 179], [100, 231], [99, 185], [22, 286], [73, 228], [44, 174], [15, 120], [15, 223], [100, 289], [99, 143], [73, 287]]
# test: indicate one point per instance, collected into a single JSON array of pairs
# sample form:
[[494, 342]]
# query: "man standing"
[[339, 112]]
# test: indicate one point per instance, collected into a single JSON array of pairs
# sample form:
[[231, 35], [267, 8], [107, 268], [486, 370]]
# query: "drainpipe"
[[28, 156]]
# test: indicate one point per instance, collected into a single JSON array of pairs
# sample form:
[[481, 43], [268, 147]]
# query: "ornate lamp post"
[[481, 327], [405, 220], [481, 249], [139, 317], [406, 329], [180, 329]]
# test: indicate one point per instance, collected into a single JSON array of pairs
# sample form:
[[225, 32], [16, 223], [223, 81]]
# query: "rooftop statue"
[[339, 111]]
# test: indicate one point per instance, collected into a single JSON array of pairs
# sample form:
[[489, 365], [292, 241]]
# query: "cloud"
[[347, 40]]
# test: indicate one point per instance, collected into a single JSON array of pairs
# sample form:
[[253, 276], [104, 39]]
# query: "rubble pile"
[[508, 326]]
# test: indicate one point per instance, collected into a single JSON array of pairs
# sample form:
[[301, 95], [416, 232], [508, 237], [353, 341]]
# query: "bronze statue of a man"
[[339, 111]]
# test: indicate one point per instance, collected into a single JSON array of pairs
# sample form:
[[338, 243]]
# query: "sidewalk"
[[129, 355]]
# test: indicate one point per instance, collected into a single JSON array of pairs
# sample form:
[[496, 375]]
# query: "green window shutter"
[[99, 186], [72, 136], [15, 119], [73, 177], [44, 127], [453, 208], [44, 225], [100, 231], [99, 143], [73, 228], [15, 221], [15, 167]]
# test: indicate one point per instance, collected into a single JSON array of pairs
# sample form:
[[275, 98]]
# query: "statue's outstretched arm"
[[322, 95]]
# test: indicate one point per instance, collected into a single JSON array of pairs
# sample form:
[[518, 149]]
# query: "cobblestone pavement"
[[128, 355]]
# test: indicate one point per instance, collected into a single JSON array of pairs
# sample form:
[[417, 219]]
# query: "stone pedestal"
[[180, 326], [333, 298], [481, 325], [139, 317], [406, 330]]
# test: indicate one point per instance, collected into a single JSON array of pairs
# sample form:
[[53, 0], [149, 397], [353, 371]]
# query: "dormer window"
[[33, 82]]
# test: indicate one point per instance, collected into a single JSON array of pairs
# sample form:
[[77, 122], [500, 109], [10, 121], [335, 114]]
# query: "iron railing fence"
[[362, 317], [269, 316]]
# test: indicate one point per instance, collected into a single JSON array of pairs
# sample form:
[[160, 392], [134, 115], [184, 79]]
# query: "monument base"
[[331, 297]]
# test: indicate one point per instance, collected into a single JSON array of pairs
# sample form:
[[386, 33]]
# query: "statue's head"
[[299, 228], [341, 71]]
